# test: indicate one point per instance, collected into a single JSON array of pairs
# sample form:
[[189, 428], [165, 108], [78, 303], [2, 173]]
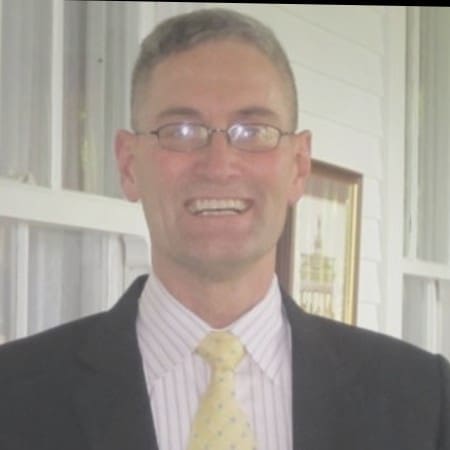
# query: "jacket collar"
[[112, 400], [328, 397]]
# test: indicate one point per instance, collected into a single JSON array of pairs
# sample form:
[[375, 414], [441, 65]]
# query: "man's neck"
[[217, 302]]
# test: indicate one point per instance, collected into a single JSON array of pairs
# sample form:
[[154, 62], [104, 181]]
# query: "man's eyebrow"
[[257, 111], [178, 111], [243, 113]]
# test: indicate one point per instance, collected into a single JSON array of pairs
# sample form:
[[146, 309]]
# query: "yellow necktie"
[[220, 424]]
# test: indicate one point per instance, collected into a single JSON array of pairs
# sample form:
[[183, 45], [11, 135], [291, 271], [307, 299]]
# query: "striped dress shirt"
[[176, 377]]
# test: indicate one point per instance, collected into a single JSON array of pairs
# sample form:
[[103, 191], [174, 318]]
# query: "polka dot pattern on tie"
[[220, 424]]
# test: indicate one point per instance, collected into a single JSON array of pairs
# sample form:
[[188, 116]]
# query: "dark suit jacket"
[[81, 387]]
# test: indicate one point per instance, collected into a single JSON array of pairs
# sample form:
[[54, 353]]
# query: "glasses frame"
[[211, 130]]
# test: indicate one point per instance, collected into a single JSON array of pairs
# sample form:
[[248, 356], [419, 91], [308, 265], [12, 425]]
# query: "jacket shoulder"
[[381, 358], [46, 351], [396, 382], [56, 349]]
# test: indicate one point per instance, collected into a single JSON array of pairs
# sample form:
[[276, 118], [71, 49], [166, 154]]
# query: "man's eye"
[[182, 131], [178, 132], [186, 131], [244, 132], [249, 132]]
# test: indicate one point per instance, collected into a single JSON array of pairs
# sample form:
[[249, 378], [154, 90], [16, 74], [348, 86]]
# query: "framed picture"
[[318, 254]]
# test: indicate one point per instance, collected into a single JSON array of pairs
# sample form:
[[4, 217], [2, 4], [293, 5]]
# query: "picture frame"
[[318, 254]]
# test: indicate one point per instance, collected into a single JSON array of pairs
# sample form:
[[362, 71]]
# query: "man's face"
[[217, 84]]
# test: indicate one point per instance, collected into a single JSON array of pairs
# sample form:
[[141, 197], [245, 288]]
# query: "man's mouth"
[[213, 206]]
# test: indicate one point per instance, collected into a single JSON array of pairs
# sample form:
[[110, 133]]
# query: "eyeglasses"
[[186, 137]]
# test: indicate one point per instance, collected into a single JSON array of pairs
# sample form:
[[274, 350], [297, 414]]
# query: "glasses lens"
[[254, 138], [182, 137]]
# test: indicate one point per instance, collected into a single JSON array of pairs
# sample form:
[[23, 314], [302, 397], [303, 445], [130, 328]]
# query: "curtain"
[[434, 136], [100, 45], [426, 309], [75, 273], [66, 276], [7, 280], [70, 274], [64, 273], [418, 297], [26, 29]]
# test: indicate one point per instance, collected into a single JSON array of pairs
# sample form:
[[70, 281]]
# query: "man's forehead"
[[214, 43], [217, 62], [230, 49], [213, 65]]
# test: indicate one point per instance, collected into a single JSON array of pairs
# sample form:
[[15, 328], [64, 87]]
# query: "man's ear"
[[302, 155], [125, 147]]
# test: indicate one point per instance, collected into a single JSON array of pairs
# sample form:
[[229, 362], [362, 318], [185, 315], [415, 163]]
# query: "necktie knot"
[[222, 350]]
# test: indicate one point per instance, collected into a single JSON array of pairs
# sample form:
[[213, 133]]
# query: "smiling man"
[[207, 352], [216, 163]]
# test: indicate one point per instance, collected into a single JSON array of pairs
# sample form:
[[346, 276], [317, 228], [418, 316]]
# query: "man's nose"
[[219, 158], [218, 133]]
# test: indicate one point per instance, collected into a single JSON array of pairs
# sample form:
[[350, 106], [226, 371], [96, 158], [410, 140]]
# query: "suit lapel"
[[327, 399], [111, 399]]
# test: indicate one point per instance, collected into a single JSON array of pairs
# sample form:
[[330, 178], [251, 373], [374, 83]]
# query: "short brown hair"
[[185, 31]]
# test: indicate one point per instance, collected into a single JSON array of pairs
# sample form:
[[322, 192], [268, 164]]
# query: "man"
[[215, 160]]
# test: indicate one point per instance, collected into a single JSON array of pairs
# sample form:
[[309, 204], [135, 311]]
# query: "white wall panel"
[[368, 316], [381, 10], [369, 283], [371, 244], [343, 146], [359, 24], [338, 101], [393, 148], [70, 208], [323, 51], [371, 198]]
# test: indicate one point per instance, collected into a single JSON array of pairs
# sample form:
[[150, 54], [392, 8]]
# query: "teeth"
[[217, 206]]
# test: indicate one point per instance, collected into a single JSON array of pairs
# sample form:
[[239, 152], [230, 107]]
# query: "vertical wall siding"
[[337, 53]]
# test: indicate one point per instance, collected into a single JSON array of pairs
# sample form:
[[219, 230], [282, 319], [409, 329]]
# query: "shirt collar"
[[168, 332], [264, 331]]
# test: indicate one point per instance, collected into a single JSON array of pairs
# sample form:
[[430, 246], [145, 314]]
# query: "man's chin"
[[225, 266]]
